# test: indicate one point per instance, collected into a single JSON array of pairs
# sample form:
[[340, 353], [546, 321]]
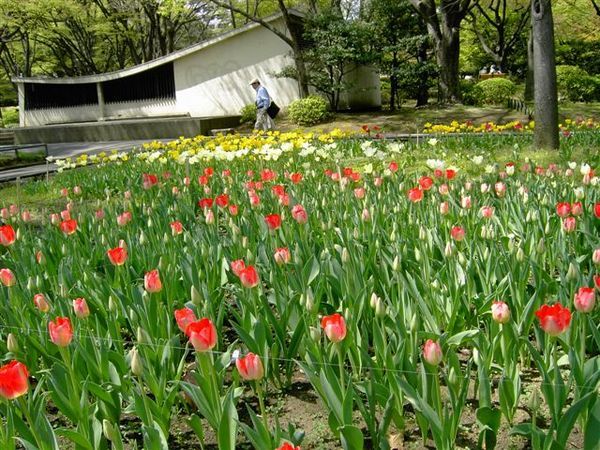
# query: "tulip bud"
[[414, 323], [244, 241], [142, 238], [64, 292], [541, 246], [396, 263], [112, 304], [520, 255], [11, 343], [109, 431], [315, 334], [142, 336], [453, 378], [535, 401], [417, 255], [448, 250], [393, 236], [380, 309], [63, 249], [345, 256], [195, 296], [571, 272], [30, 284], [309, 300], [596, 256], [462, 260], [356, 234], [476, 356], [137, 367]]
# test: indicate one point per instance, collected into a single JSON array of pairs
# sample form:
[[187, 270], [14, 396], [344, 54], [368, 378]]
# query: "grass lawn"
[[409, 119]]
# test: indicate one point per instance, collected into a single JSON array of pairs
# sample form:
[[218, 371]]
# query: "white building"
[[208, 81]]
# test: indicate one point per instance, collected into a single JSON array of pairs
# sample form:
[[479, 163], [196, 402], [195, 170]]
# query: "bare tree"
[[507, 21], [443, 19], [294, 39]]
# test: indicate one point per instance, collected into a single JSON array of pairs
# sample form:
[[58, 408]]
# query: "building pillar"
[[101, 108], [21, 96]]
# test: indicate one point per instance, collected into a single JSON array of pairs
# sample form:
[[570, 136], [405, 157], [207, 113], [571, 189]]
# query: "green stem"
[[261, 402], [66, 356], [340, 352], [25, 410]]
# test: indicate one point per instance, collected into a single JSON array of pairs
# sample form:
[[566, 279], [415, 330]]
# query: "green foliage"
[[10, 117], [308, 111], [495, 91], [467, 89], [579, 53], [576, 84], [8, 94], [336, 45], [248, 113], [411, 76]]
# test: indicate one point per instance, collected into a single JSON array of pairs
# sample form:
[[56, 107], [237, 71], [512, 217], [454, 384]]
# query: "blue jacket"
[[262, 98]]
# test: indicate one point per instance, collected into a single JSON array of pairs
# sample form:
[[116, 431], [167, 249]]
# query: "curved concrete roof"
[[155, 62]]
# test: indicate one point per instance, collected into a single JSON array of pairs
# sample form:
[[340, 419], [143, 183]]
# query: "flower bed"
[[195, 282]]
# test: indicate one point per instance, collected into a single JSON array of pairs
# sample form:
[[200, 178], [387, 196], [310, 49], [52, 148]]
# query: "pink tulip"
[[500, 312], [152, 282], [81, 308], [432, 352], [585, 299]]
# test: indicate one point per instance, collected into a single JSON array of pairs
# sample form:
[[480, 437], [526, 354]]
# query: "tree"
[[544, 73], [443, 25], [402, 37], [499, 26], [336, 47]]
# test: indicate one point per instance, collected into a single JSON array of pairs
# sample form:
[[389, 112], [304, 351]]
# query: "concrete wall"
[[36, 117], [365, 89], [216, 80], [123, 130]]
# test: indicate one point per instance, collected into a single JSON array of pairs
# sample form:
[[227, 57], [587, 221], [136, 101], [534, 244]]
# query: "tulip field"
[[433, 294]]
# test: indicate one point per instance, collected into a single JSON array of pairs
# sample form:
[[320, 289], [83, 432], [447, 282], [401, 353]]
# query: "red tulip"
[[117, 256], [249, 277], [7, 277], [577, 209], [202, 334], [597, 210], [7, 235], [184, 317], [563, 209], [585, 299], [209, 171], [205, 203], [254, 198], [282, 256], [124, 218], [176, 228], [487, 212], [425, 183], [359, 192], [597, 281], [68, 226], [334, 327], [61, 331], [40, 303], [287, 446], [569, 224], [554, 319], [237, 266], [202, 180], [415, 195], [13, 380], [299, 214], [149, 180], [500, 312], [450, 174], [457, 233], [233, 210], [273, 221], [152, 282], [39, 257], [222, 200], [393, 167], [432, 352], [250, 367], [81, 308], [268, 175], [296, 177], [65, 214]]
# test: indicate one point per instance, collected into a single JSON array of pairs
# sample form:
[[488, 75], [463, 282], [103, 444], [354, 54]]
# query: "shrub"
[[576, 84], [248, 113], [467, 88], [494, 91], [10, 117], [308, 111]]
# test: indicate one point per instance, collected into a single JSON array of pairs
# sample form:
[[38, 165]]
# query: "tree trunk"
[[447, 49], [301, 72], [394, 82], [529, 75], [423, 92], [546, 98]]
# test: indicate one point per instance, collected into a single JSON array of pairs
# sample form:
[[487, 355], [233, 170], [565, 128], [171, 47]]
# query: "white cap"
[[255, 81]]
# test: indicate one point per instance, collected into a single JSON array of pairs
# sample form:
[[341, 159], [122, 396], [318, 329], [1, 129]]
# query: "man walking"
[[263, 100]]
